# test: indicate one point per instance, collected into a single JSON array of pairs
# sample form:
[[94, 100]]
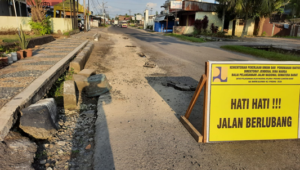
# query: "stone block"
[[17, 152], [81, 82], [97, 85], [70, 100], [77, 65], [87, 72], [40, 119]]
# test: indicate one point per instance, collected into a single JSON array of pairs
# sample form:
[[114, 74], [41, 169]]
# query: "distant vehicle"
[[116, 22], [124, 25]]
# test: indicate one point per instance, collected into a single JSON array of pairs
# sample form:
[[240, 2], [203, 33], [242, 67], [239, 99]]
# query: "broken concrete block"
[[150, 65], [77, 65], [17, 152], [141, 54], [40, 119], [81, 82], [70, 100], [87, 72], [98, 85]]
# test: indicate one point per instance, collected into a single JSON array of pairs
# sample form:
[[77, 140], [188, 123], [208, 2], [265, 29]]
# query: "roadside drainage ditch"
[[277, 49]]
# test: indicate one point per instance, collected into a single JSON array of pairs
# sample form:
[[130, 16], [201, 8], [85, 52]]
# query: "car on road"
[[124, 25]]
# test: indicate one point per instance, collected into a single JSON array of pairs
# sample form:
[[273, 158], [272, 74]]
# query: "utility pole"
[[70, 1], [151, 11], [84, 14], [74, 18], [103, 7], [89, 13]]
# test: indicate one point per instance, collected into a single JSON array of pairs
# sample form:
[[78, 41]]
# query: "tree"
[[295, 5], [264, 9], [242, 8], [38, 13]]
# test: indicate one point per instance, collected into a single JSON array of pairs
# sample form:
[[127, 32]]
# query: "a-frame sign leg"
[[184, 119]]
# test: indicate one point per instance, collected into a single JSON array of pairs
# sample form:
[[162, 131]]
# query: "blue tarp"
[[159, 26]]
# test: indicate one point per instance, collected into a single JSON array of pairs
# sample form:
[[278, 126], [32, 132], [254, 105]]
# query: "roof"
[[159, 18], [66, 7]]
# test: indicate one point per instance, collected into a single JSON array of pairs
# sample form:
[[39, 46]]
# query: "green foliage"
[[1, 48], [43, 27], [264, 34], [66, 33], [57, 88], [261, 53], [22, 39], [75, 151], [295, 5]]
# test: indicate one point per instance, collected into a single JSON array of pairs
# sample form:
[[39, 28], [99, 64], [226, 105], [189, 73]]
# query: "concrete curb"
[[33, 93], [96, 37], [79, 62]]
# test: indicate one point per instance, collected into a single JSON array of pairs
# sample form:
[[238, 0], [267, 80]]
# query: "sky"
[[121, 7]]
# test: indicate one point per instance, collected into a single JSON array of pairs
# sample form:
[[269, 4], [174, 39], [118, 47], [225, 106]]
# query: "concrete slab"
[[40, 119], [87, 72], [97, 85], [70, 100], [81, 82]]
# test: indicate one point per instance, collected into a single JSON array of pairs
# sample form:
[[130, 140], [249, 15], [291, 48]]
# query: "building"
[[7, 8], [123, 18], [188, 12]]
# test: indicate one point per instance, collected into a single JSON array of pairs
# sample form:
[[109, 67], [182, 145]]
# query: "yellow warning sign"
[[253, 101]]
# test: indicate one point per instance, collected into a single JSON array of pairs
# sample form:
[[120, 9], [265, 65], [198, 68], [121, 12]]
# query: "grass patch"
[[67, 34], [262, 53], [106, 25], [286, 37], [185, 38], [13, 38], [57, 90]]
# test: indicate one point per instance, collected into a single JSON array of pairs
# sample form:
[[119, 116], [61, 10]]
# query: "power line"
[[95, 7]]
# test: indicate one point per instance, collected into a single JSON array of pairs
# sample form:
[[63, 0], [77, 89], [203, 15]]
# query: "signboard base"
[[190, 128], [184, 119]]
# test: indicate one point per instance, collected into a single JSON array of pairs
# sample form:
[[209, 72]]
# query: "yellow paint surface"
[[273, 85]]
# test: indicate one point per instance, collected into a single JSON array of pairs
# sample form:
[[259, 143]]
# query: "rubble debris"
[[88, 147], [98, 85], [70, 99], [67, 147], [141, 54], [179, 86], [17, 152], [150, 65], [89, 114], [40, 119]]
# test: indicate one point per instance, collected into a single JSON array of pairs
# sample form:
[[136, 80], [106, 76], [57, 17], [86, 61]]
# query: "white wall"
[[212, 18], [11, 22], [62, 24], [239, 28]]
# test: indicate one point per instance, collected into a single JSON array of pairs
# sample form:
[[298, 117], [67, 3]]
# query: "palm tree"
[[295, 4], [243, 9], [264, 10]]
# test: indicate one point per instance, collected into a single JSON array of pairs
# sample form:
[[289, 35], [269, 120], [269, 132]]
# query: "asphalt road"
[[169, 145], [180, 57]]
